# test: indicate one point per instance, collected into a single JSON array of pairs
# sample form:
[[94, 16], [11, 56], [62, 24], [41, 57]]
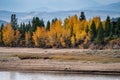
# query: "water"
[[48, 76]]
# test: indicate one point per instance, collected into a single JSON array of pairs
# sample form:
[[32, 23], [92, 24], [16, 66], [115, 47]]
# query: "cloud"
[[28, 5], [107, 1]]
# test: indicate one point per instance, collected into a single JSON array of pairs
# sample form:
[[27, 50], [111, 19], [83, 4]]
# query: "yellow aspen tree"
[[40, 37], [27, 38], [73, 41], [17, 37], [104, 24], [55, 33], [97, 21], [0, 38], [8, 35], [34, 37]]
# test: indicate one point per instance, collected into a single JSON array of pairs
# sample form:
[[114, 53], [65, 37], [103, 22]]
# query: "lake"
[[52, 76]]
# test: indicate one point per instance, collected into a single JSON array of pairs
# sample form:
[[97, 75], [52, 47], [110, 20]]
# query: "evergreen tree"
[[107, 27], [87, 30], [34, 24], [100, 36], [22, 30], [37, 22], [54, 20], [1, 34], [30, 28], [48, 26], [118, 27], [14, 21], [82, 16], [93, 31]]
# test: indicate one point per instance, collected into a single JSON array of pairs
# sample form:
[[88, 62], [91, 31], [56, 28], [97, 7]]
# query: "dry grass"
[[35, 59], [68, 57]]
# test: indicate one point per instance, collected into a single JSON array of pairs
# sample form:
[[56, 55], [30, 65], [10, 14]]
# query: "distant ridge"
[[2, 22], [110, 7], [113, 10]]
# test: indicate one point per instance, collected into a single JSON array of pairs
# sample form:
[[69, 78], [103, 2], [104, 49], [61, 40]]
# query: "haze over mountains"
[[48, 13], [67, 5]]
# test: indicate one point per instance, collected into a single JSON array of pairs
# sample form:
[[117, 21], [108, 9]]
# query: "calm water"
[[46, 76]]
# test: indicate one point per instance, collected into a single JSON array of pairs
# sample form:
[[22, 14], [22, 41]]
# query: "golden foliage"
[[97, 21], [57, 34], [39, 36], [27, 38], [8, 35], [73, 41], [70, 33], [17, 36]]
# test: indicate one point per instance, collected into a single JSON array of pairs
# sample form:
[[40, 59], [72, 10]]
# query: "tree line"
[[73, 32]]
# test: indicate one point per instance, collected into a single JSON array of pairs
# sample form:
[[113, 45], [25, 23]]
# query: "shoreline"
[[115, 73], [76, 61], [62, 67]]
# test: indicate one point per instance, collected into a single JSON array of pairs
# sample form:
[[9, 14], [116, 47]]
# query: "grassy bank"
[[93, 56], [70, 60]]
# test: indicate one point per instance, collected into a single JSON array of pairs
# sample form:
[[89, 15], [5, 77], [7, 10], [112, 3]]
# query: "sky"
[[53, 5]]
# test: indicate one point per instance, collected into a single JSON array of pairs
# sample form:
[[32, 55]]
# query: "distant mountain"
[[65, 5], [103, 11], [2, 22], [111, 7], [6, 15], [25, 17], [43, 9]]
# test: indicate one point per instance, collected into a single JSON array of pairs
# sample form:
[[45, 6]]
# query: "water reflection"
[[45, 76], [12, 75]]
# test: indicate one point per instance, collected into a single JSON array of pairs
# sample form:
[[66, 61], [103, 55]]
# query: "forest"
[[74, 32]]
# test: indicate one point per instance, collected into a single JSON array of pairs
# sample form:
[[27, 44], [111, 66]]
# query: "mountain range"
[[2, 22], [111, 7], [47, 14]]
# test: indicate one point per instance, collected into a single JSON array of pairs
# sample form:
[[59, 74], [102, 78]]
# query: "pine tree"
[[37, 22], [54, 20], [22, 30], [118, 28], [100, 34], [14, 21], [1, 34], [107, 27], [30, 28], [48, 26], [87, 30], [41, 23], [34, 26], [93, 31], [82, 16]]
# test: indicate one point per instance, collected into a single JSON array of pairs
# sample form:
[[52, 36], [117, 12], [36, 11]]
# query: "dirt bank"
[[61, 60]]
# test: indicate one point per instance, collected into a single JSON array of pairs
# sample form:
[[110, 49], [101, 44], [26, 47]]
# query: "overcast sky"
[[107, 1], [29, 5]]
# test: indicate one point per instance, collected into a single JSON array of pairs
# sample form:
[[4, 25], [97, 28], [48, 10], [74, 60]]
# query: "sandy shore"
[[8, 62]]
